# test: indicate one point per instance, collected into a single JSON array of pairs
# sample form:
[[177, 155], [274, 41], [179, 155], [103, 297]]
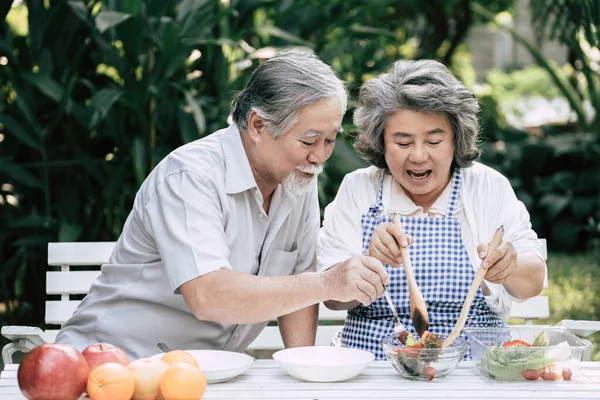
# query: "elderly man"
[[222, 235]]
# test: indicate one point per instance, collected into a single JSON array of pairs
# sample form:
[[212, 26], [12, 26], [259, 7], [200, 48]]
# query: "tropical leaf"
[[101, 104], [554, 204], [44, 84], [140, 160], [109, 19], [69, 232], [36, 15], [19, 175], [187, 127], [18, 131], [281, 34], [31, 221], [196, 112]]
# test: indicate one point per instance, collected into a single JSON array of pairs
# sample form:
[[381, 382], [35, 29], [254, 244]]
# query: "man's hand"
[[501, 263], [386, 241], [359, 278]]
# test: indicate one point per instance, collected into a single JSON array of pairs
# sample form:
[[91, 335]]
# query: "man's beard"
[[297, 183]]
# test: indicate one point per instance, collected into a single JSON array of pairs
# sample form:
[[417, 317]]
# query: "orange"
[[179, 356], [182, 382], [110, 381]]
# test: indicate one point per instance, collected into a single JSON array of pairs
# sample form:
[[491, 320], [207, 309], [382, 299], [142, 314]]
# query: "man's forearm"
[[239, 298], [300, 327], [528, 280]]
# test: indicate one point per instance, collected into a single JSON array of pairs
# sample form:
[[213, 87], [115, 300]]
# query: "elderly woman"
[[417, 126]]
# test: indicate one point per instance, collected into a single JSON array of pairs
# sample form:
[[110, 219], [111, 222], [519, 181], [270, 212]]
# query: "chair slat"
[[534, 308], [58, 312], [70, 282], [50, 335], [83, 253]]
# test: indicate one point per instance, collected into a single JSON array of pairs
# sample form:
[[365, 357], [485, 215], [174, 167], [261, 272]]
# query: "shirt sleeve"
[[510, 213], [184, 216], [341, 235]]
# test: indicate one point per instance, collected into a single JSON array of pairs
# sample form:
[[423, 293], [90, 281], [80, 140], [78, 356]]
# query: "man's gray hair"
[[282, 85], [426, 86]]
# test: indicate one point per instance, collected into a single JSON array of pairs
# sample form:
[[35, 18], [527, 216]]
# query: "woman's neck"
[[426, 200]]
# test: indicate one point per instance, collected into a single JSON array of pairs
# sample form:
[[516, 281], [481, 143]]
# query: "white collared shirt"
[[198, 211], [486, 201]]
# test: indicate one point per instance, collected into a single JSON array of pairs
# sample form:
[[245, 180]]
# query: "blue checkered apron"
[[442, 270]]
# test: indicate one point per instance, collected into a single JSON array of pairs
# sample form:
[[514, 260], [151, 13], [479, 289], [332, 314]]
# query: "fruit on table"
[[147, 373], [179, 356], [101, 353], [53, 372], [183, 381], [531, 374], [551, 373], [110, 381]]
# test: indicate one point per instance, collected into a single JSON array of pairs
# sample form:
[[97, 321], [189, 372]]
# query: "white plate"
[[323, 363], [217, 365]]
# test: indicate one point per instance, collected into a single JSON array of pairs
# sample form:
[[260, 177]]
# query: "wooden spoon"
[[418, 309], [462, 318]]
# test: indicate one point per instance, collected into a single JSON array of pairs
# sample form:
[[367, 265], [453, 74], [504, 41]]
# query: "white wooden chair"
[[72, 282]]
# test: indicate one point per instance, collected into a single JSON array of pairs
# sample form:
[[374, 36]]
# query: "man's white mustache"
[[311, 169]]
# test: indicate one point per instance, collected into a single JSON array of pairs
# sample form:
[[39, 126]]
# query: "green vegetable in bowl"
[[505, 364], [541, 340]]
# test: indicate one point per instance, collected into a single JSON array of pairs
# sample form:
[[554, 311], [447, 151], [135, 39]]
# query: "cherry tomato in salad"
[[430, 372], [516, 342]]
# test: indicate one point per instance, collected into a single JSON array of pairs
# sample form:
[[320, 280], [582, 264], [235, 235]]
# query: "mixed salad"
[[415, 362], [516, 359]]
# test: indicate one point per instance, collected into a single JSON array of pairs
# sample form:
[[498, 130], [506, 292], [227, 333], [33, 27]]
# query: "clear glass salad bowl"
[[527, 352], [423, 364]]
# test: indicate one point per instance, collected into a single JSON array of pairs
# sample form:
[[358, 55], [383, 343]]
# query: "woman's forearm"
[[528, 279]]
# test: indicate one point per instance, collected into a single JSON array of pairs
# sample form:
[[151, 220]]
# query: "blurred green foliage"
[[572, 292]]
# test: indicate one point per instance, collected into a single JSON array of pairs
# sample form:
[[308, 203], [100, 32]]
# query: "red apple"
[[147, 373], [101, 353], [53, 372]]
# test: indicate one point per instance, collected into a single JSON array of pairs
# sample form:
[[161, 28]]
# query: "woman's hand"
[[501, 263], [386, 241]]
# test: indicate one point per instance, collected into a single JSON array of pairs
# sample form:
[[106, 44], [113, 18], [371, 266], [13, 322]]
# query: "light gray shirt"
[[198, 211]]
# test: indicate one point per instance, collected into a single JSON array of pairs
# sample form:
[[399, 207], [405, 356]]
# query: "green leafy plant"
[[575, 23]]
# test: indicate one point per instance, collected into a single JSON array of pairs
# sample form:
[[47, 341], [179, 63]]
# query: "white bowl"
[[323, 363], [217, 365]]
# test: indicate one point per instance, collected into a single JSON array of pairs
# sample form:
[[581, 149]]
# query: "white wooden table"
[[265, 380]]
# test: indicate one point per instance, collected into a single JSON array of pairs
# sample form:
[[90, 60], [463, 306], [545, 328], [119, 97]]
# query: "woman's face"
[[419, 149]]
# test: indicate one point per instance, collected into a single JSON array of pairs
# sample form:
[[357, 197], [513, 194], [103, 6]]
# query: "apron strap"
[[375, 208], [456, 182]]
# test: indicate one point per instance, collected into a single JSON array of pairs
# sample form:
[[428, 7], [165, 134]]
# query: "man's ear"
[[256, 127]]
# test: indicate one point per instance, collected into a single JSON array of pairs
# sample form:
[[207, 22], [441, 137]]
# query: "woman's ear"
[[256, 127]]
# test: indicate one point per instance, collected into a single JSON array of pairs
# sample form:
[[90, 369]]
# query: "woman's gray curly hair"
[[424, 85]]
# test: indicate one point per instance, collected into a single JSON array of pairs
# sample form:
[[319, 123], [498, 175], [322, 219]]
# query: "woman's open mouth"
[[419, 175]]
